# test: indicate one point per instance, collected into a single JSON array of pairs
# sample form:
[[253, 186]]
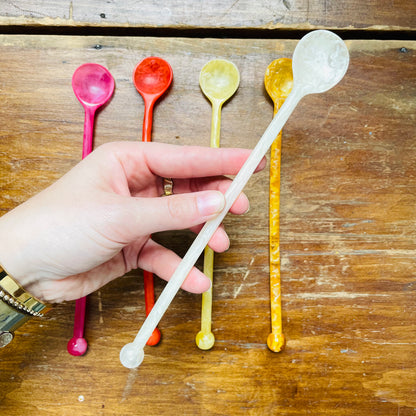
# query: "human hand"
[[95, 223]]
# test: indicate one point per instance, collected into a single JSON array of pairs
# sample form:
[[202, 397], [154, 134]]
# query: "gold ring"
[[167, 186]]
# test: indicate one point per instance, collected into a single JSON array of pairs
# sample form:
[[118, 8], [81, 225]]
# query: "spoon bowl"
[[152, 77], [93, 85], [320, 61], [219, 80], [278, 81]]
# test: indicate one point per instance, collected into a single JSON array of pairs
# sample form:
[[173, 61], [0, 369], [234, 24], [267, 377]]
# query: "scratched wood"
[[347, 238], [188, 14]]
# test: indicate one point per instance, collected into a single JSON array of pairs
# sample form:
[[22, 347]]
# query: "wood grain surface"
[[236, 14], [348, 239]]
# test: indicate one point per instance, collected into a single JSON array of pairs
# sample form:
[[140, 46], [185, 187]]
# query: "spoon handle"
[[75, 346], [88, 130], [275, 340], [147, 120], [148, 280], [79, 317], [215, 123], [130, 352], [149, 301], [206, 307]]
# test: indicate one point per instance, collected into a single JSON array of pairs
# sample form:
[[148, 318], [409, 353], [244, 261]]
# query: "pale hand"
[[94, 224]]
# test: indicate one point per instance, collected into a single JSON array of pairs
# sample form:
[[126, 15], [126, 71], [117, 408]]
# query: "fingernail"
[[243, 195], [210, 203]]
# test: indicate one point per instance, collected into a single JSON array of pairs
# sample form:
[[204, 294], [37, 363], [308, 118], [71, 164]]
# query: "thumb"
[[176, 212]]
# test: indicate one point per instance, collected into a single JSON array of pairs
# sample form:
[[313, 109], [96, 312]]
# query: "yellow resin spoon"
[[219, 80], [278, 81]]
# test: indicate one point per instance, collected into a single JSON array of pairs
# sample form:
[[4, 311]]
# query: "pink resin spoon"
[[151, 77], [93, 85]]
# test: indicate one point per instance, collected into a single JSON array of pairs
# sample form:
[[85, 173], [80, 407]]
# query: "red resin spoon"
[[151, 77], [93, 85]]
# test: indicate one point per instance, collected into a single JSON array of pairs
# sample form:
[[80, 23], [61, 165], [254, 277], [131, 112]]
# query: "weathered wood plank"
[[347, 238], [264, 14]]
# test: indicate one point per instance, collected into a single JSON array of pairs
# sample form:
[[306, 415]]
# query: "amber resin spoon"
[[278, 81]]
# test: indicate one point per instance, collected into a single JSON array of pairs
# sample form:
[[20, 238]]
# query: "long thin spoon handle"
[[275, 340], [79, 317], [206, 308], [205, 338], [148, 120], [132, 354], [77, 345], [279, 91], [216, 123], [148, 280], [88, 131], [149, 300]]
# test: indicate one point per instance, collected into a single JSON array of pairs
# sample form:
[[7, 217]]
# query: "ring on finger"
[[167, 186]]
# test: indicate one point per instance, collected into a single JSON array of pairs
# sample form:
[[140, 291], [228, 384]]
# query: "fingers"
[[179, 161], [177, 212], [240, 206], [149, 215], [163, 262], [219, 242]]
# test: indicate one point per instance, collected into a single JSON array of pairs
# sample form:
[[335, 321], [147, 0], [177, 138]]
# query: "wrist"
[[17, 256], [14, 248]]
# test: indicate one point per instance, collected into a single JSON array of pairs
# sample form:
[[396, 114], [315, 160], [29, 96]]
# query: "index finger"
[[175, 161]]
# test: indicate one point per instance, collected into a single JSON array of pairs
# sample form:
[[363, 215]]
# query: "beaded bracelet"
[[16, 307]]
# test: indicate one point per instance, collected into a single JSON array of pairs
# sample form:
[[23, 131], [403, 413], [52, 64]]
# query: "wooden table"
[[348, 212]]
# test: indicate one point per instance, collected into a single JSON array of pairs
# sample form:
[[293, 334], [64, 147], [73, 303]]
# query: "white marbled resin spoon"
[[319, 62]]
